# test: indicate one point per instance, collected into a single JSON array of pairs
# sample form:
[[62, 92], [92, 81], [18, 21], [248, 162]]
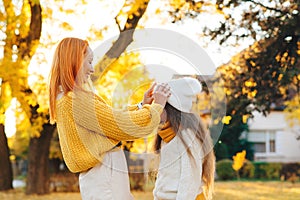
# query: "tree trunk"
[[6, 174], [38, 162]]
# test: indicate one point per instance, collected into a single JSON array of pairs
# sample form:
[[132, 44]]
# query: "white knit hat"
[[183, 93]]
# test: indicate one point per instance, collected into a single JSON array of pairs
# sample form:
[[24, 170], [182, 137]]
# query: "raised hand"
[[161, 93], [148, 95]]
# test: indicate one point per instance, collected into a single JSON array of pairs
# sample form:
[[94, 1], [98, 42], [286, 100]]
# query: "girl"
[[89, 129], [187, 161]]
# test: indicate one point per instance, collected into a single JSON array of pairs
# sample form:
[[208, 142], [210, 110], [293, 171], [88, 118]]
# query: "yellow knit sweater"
[[88, 127]]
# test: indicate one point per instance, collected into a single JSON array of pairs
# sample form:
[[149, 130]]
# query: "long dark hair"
[[181, 121]]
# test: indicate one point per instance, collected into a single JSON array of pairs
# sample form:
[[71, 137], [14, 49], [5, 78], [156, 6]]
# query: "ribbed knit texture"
[[88, 127], [167, 133]]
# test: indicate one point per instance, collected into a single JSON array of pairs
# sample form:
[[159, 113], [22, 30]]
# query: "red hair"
[[67, 62]]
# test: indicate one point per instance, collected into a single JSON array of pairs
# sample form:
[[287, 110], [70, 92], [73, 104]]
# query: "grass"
[[257, 191], [232, 190]]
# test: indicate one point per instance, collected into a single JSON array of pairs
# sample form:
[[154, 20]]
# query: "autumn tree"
[[261, 75], [6, 175], [21, 27], [259, 78]]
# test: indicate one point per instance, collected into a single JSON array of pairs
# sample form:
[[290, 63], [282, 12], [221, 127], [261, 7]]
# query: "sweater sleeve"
[[132, 107], [92, 113]]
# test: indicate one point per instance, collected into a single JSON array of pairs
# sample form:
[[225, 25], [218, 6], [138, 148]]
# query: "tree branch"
[[123, 41], [35, 30], [118, 24], [264, 6]]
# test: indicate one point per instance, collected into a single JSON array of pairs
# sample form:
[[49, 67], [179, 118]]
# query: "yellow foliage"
[[124, 81], [130, 9], [292, 111], [12, 157], [66, 26], [252, 63], [245, 118], [245, 90], [95, 33], [252, 94], [143, 145], [157, 11], [292, 60], [14, 65], [19, 143], [219, 94], [216, 121], [5, 99], [55, 151], [228, 92], [37, 126], [277, 57], [226, 119], [250, 83], [202, 103], [138, 146], [25, 15], [238, 160], [177, 3]]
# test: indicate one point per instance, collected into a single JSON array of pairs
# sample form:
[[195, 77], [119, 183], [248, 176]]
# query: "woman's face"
[[88, 68]]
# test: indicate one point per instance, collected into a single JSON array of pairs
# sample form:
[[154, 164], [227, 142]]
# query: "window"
[[264, 141], [260, 147], [272, 146]]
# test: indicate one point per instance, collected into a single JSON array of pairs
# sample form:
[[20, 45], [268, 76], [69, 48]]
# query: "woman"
[[89, 129], [187, 161]]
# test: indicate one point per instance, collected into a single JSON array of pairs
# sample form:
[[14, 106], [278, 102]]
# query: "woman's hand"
[[148, 95]]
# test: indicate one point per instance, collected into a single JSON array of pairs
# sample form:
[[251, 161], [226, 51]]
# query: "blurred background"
[[250, 99]]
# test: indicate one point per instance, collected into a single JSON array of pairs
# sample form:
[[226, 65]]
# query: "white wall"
[[287, 147]]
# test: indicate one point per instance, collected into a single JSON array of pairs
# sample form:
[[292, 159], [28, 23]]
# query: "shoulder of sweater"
[[70, 96]]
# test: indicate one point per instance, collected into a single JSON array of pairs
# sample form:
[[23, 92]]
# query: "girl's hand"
[[161, 93]]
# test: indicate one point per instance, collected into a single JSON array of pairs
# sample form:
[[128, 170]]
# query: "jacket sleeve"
[[92, 113]]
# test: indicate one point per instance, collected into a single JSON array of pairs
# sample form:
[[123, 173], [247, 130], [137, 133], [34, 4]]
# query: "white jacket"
[[179, 175]]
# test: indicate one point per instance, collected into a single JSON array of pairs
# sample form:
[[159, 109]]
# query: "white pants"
[[108, 180]]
